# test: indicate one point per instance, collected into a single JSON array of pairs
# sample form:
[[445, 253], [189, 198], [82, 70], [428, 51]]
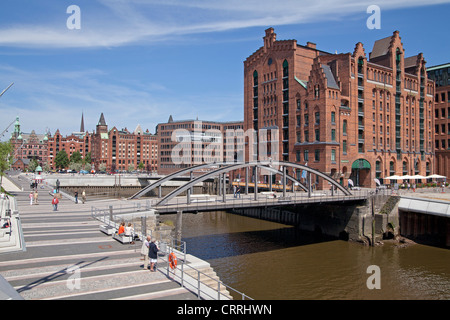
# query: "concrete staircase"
[[67, 257]]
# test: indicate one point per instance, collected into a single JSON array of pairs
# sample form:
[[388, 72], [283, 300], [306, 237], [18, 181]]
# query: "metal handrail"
[[248, 201], [202, 288]]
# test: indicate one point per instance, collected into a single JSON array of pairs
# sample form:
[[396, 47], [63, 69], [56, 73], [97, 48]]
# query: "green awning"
[[361, 164]]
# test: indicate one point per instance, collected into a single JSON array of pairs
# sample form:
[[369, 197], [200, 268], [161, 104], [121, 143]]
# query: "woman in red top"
[[55, 202], [121, 229]]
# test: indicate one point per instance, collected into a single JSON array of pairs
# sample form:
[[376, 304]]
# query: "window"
[[306, 155], [317, 135], [344, 127], [317, 117], [285, 68], [333, 155], [306, 135], [344, 146], [317, 155], [333, 134], [333, 117]]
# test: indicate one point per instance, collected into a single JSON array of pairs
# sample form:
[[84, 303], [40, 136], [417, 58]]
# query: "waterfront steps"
[[67, 257]]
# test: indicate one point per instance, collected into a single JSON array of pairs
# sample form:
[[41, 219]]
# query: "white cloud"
[[55, 100], [120, 22]]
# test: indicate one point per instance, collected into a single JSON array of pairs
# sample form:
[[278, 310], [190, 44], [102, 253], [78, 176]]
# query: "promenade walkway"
[[67, 257]]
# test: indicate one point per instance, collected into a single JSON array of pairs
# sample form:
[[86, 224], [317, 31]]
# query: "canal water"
[[271, 261]]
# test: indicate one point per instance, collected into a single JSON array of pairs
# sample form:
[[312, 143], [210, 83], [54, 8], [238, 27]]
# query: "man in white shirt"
[[144, 251]]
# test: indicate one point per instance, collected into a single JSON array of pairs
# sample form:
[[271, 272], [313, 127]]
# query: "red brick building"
[[28, 146], [123, 150], [441, 75], [350, 115], [70, 144], [191, 142], [110, 150]]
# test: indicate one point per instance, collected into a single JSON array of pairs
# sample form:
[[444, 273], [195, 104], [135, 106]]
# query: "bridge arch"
[[171, 176], [233, 167]]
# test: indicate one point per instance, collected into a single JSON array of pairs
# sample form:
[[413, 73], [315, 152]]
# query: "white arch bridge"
[[194, 203]]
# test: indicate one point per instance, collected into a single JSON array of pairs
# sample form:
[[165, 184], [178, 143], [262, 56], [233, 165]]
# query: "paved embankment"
[[67, 257]]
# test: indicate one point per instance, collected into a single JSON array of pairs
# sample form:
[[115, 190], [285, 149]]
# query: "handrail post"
[[198, 283]]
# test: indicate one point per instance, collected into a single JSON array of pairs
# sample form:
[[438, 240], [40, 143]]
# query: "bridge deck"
[[215, 202]]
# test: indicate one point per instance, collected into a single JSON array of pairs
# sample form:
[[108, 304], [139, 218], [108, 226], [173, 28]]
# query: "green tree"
[[46, 167], [87, 158], [77, 166], [6, 158], [32, 165], [141, 166], [76, 157], [62, 159]]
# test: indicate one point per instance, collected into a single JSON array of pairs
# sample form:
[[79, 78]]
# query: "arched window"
[[285, 68]]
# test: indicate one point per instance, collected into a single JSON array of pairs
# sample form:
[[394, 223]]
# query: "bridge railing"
[[215, 202], [190, 277]]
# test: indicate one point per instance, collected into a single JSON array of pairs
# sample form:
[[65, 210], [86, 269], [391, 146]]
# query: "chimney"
[[311, 45]]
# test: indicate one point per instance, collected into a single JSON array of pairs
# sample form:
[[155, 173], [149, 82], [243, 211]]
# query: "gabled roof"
[[380, 47], [331, 81]]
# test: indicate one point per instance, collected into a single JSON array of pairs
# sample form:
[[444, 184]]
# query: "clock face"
[[270, 61]]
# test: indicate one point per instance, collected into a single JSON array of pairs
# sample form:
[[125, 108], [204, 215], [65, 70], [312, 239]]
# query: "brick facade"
[[186, 143], [348, 115], [441, 75]]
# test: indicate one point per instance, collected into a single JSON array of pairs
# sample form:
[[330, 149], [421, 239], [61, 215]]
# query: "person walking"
[[83, 196], [76, 196], [31, 196], [36, 196], [153, 255], [144, 251], [55, 202]]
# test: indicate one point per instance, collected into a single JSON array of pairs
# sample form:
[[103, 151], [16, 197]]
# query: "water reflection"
[[267, 260]]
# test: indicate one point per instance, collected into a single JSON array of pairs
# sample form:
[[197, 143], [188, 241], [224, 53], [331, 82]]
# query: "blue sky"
[[139, 61]]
